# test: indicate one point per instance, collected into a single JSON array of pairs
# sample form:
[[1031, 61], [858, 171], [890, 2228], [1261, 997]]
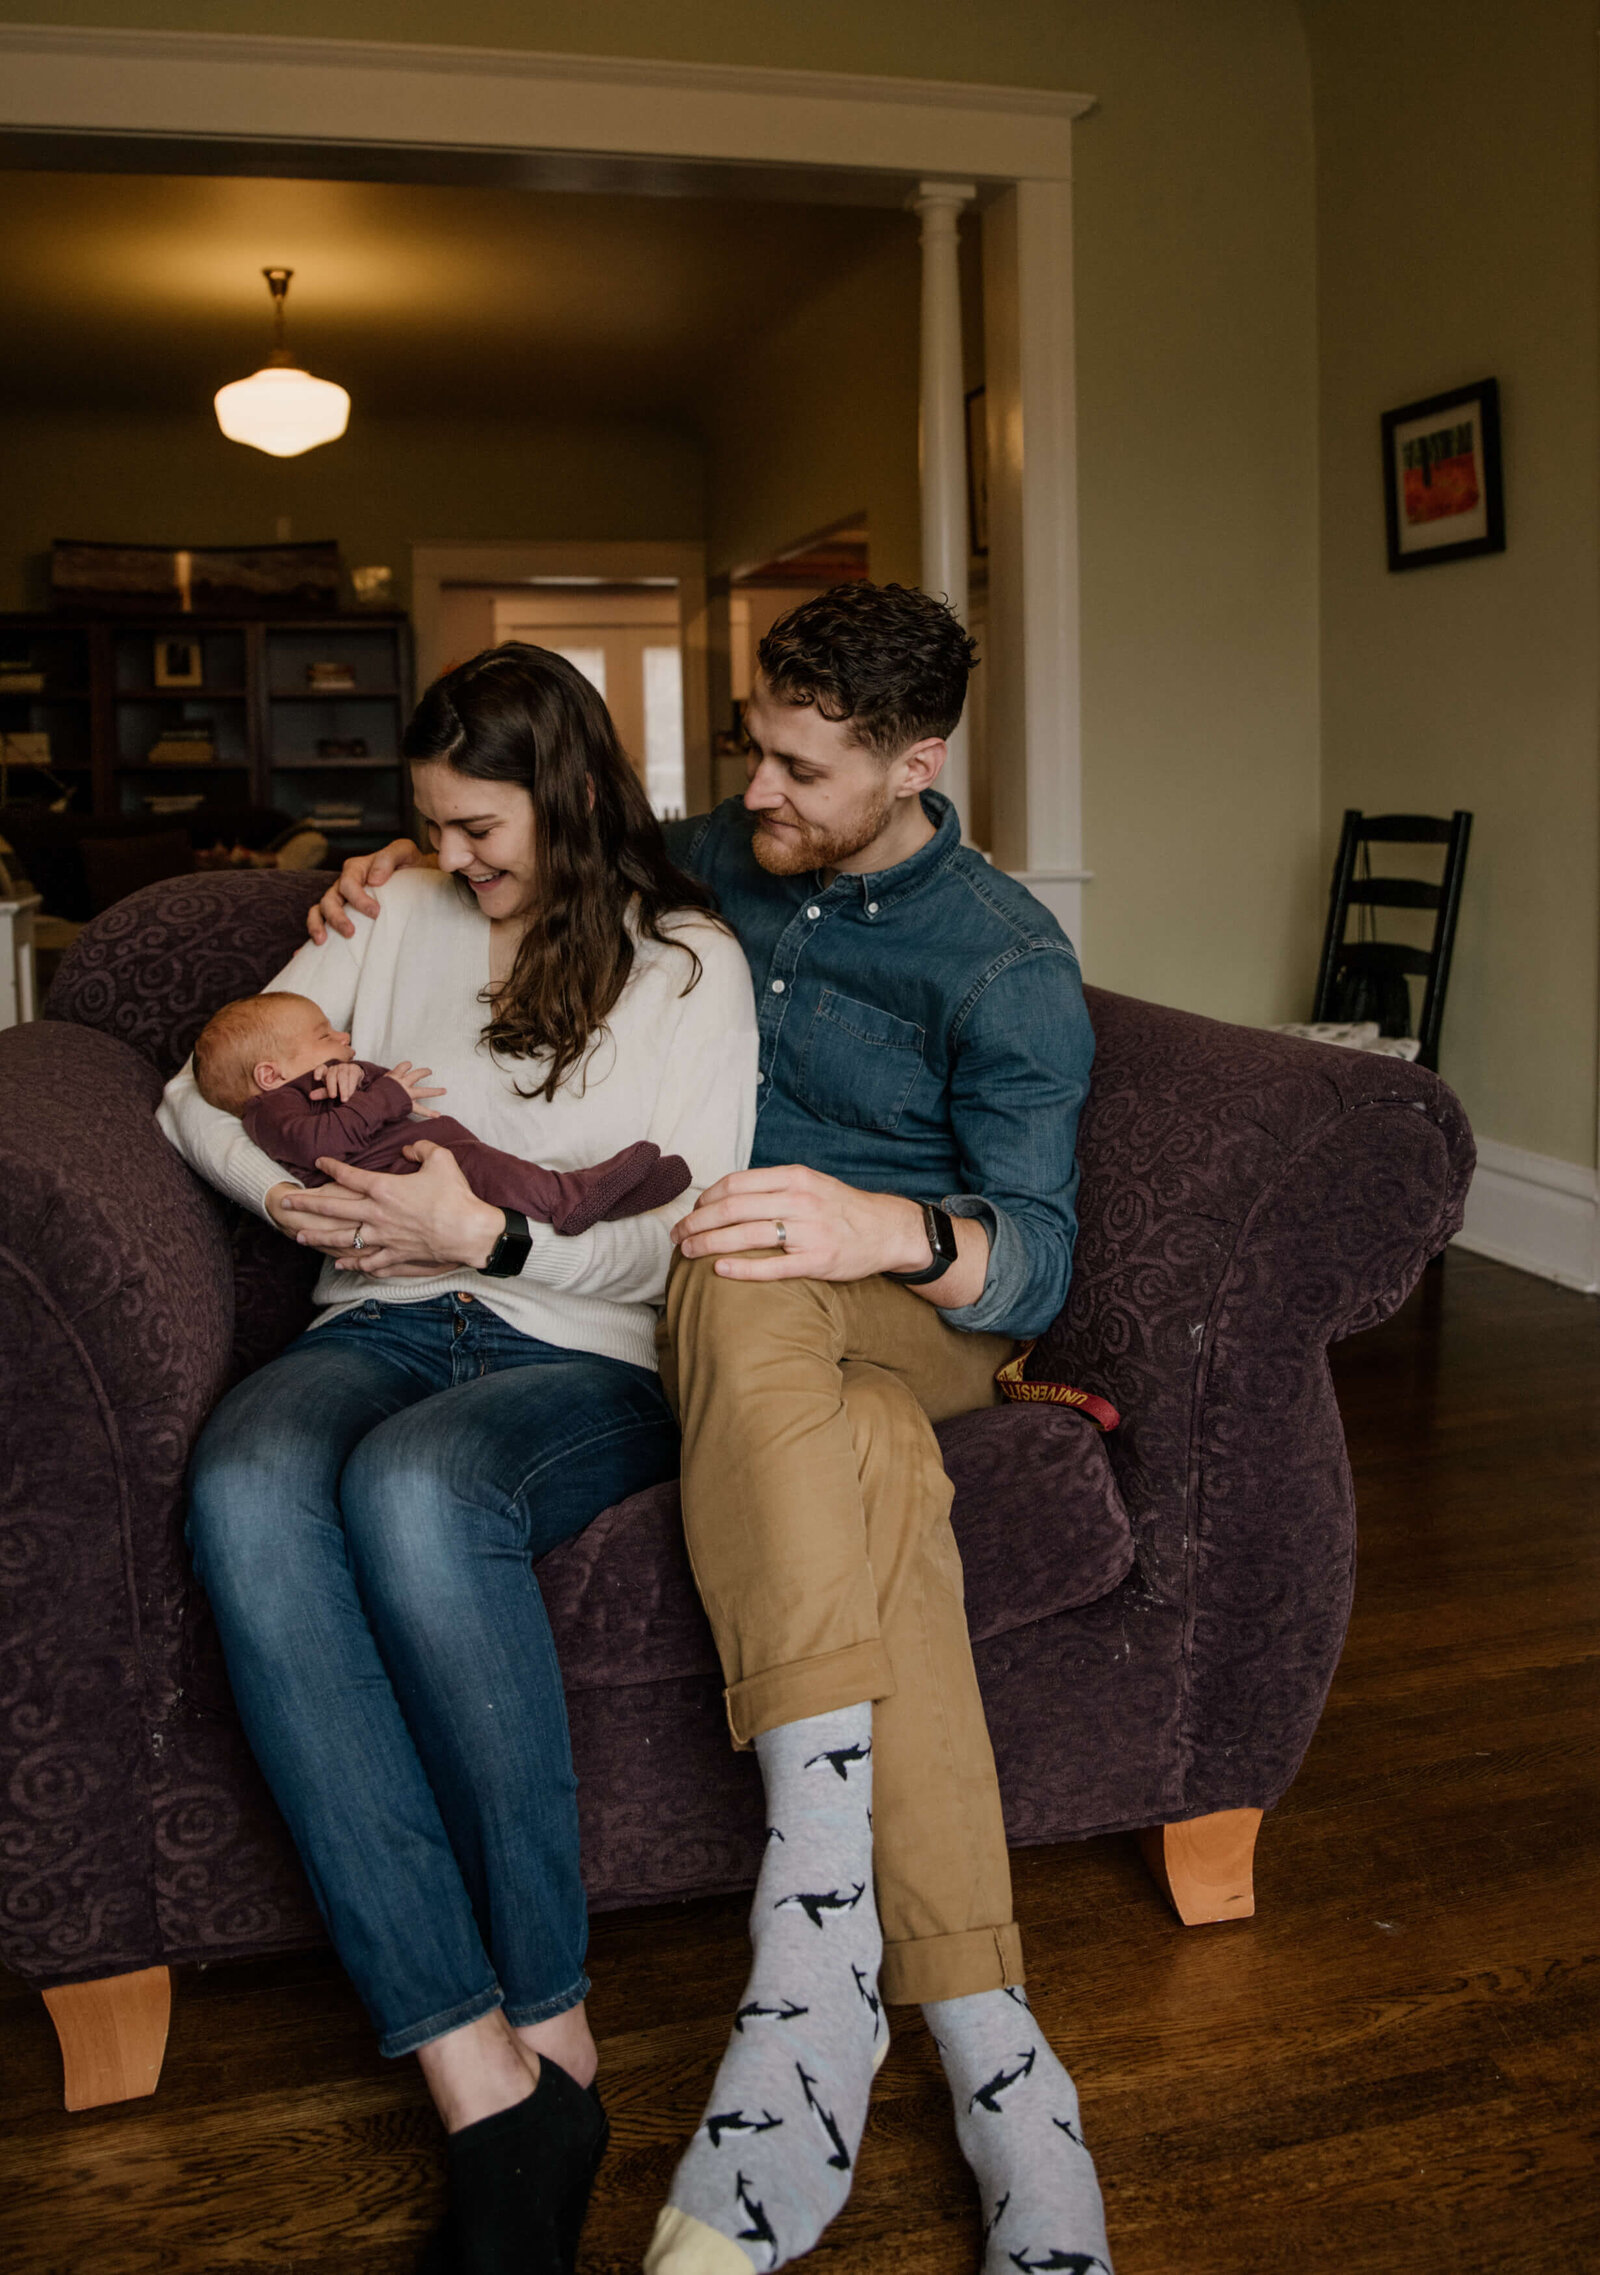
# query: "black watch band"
[[510, 1252], [941, 1239]]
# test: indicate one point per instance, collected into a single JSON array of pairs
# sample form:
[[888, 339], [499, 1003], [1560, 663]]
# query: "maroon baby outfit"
[[373, 1129]]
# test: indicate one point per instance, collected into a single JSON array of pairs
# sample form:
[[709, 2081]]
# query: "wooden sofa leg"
[[1205, 1866], [113, 2035]]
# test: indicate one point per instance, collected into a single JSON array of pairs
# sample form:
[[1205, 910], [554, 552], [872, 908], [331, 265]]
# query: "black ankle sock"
[[520, 2180]]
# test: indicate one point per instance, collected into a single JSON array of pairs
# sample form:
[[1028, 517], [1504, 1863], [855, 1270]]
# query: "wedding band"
[[782, 1231], [356, 1240]]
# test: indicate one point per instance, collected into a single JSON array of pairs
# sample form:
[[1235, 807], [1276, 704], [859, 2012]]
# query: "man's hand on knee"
[[816, 1227]]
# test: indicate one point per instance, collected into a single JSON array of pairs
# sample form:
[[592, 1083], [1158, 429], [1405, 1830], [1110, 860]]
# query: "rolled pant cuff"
[[951, 1966], [522, 2017], [805, 1687], [394, 2043]]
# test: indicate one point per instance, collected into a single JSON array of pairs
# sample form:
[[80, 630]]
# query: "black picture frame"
[[1425, 449]]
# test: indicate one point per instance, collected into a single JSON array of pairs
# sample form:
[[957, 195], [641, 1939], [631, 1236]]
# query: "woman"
[[366, 1510]]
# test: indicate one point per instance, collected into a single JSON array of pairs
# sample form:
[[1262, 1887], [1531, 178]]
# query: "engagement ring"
[[357, 1241]]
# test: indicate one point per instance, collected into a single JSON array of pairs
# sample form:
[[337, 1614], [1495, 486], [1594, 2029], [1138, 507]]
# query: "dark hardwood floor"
[[1390, 2069]]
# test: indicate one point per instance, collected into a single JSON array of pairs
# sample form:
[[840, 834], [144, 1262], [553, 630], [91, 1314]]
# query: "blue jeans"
[[365, 1515]]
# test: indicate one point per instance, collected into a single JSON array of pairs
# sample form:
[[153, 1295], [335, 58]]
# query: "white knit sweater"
[[673, 1067]]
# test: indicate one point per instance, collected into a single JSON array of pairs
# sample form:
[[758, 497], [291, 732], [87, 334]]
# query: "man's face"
[[818, 797]]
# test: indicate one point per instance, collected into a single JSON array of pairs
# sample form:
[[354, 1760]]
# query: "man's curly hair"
[[886, 661]]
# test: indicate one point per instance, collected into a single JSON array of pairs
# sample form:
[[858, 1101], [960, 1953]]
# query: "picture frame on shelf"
[[179, 663], [1443, 488]]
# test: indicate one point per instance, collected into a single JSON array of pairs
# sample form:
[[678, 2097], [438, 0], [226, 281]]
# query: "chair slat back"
[[1348, 891]]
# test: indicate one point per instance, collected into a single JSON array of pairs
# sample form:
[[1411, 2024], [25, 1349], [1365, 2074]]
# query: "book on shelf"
[[183, 746], [17, 679], [336, 813], [330, 679], [175, 805], [29, 749]]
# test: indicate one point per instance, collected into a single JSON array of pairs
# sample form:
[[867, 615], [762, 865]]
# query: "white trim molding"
[[89, 80], [1541, 1215]]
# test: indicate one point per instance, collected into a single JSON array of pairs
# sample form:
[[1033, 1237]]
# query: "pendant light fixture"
[[282, 409]]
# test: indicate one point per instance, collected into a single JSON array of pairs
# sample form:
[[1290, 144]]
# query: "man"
[[908, 1215]]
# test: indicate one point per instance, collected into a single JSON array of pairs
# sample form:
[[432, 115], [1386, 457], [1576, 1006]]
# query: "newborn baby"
[[279, 1064]]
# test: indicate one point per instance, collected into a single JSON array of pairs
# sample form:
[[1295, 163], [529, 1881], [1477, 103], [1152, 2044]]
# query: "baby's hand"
[[340, 1078], [411, 1079]]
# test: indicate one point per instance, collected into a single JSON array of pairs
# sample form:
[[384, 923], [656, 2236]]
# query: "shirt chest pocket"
[[859, 1063]]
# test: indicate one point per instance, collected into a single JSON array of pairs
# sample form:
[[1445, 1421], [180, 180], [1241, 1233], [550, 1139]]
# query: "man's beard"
[[806, 847]]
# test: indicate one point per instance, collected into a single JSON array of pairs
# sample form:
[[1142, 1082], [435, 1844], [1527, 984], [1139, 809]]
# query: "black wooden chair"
[[1355, 974]]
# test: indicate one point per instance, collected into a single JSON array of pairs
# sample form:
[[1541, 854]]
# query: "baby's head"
[[260, 1043]]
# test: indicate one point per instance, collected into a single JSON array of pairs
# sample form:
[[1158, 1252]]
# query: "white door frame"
[[436, 563], [1015, 143]]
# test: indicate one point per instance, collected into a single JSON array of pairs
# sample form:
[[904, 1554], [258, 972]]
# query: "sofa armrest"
[[1247, 1199], [116, 1303]]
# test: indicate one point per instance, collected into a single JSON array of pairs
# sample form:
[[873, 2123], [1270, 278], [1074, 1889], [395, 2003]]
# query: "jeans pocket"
[[859, 1063]]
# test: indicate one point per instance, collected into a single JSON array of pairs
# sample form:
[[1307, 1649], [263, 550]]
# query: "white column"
[[944, 431], [1033, 649]]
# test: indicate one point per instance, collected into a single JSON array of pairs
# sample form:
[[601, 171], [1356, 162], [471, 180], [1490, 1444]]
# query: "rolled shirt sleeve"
[[1023, 1055]]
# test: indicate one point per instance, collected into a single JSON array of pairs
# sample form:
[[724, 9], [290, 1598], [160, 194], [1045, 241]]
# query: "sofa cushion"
[[1037, 1514]]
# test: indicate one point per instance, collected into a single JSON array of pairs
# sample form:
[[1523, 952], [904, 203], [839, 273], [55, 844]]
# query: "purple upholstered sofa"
[[1157, 1614]]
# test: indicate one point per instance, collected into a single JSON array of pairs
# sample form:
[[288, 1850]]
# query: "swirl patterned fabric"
[[1156, 1614]]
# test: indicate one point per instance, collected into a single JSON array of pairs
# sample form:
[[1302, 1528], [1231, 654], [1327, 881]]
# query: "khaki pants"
[[817, 1512]]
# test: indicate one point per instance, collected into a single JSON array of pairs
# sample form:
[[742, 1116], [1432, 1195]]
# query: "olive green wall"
[[1459, 230], [817, 420], [1009, 42], [389, 482], [1197, 461], [1196, 313]]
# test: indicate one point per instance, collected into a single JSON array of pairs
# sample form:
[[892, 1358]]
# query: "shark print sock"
[[772, 2161], [1017, 2121]]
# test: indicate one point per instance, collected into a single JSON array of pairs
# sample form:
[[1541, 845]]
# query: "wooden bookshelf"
[[104, 712]]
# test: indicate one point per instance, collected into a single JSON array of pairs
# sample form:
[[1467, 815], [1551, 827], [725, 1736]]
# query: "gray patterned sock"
[[1017, 2121], [772, 2161]]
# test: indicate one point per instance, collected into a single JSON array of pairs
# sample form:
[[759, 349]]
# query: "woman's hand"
[[358, 880], [411, 1227], [275, 1205]]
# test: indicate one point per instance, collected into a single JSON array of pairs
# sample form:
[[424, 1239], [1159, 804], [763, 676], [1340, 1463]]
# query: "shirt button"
[[872, 908], [813, 913], [760, 1077], [777, 987]]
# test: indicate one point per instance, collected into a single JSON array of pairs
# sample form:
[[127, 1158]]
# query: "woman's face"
[[483, 832]]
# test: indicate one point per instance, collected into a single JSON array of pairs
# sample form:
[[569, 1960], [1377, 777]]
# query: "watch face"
[[941, 1234]]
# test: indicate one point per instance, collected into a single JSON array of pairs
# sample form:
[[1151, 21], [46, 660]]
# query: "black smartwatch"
[[510, 1252], [941, 1239]]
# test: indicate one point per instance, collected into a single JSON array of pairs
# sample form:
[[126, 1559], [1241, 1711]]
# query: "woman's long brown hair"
[[523, 714]]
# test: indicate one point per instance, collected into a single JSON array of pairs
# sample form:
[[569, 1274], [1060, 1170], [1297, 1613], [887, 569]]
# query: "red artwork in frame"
[[1442, 486]]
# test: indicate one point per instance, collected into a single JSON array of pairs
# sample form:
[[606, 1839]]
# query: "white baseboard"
[[1540, 1215]]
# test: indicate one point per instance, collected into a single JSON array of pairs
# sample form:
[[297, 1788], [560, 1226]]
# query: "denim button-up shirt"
[[922, 1031]]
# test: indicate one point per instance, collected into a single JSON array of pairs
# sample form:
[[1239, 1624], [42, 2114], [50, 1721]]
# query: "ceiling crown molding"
[[88, 80]]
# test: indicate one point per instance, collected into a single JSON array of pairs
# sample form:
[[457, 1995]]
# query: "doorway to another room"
[[627, 641]]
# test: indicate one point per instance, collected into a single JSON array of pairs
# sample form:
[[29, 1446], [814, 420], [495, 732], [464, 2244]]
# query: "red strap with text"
[[1014, 1384]]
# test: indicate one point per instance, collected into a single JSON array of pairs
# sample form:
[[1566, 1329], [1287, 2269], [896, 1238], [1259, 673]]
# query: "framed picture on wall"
[[1443, 497], [180, 663]]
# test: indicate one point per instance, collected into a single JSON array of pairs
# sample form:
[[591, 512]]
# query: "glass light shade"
[[282, 411]]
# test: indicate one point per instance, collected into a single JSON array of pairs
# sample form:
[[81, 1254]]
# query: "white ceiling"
[[143, 292]]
